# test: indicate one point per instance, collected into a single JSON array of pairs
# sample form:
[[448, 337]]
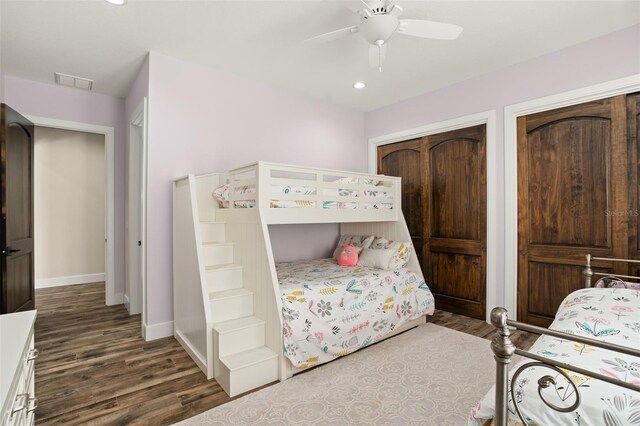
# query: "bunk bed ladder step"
[[223, 277], [248, 370], [212, 232], [235, 336], [239, 335], [217, 253], [231, 304]]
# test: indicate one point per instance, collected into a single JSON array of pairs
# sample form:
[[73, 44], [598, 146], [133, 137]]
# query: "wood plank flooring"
[[479, 328], [95, 368]]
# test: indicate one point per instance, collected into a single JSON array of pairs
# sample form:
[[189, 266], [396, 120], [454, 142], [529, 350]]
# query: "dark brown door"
[[573, 199], [456, 222], [403, 159], [16, 241], [633, 146], [444, 203]]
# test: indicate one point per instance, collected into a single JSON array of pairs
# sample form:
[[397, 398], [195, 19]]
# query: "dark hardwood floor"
[[479, 328], [95, 368]]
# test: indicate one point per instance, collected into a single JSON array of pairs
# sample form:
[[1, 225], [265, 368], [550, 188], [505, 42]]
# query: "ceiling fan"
[[379, 21]]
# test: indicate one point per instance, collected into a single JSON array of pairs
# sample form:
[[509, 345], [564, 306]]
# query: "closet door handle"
[[523, 252]]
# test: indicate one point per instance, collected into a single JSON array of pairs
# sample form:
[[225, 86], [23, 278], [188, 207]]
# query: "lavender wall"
[[139, 89], [62, 103], [202, 121], [1, 66], [603, 59]]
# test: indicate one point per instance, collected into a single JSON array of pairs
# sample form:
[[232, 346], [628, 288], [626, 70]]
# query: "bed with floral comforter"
[[330, 310], [610, 315]]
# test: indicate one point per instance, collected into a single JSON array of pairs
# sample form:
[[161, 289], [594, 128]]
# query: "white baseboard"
[[157, 331], [72, 280], [193, 353], [117, 299]]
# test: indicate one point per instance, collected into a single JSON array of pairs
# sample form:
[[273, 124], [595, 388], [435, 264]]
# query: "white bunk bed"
[[227, 299]]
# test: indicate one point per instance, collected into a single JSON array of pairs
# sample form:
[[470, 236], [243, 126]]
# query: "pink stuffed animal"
[[348, 255]]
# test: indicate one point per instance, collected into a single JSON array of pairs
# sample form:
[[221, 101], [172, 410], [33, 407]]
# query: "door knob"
[[9, 251], [523, 252]]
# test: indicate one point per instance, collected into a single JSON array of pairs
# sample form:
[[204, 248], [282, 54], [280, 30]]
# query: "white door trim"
[[111, 297], [139, 118], [511, 113], [489, 119]]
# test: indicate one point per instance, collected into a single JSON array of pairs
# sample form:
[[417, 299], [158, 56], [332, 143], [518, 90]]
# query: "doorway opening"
[[69, 207], [103, 172]]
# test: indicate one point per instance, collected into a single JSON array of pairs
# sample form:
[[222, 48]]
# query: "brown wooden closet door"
[[16, 230], [572, 195], [456, 198], [633, 146], [403, 159]]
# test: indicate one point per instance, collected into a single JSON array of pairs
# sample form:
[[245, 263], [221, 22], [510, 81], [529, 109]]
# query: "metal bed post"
[[503, 350], [587, 273]]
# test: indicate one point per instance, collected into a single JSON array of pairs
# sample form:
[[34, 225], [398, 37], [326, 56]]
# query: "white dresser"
[[17, 369]]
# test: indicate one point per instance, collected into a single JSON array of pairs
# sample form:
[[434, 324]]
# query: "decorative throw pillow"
[[362, 241], [615, 282], [402, 251], [221, 193], [376, 258], [348, 255]]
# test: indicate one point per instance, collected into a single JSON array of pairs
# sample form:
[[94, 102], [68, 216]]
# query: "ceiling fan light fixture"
[[359, 85]]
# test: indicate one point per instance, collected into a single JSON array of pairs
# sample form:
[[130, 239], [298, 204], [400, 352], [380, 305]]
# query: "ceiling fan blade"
[[394, 10], [366, 5], [429, 29], [333, 35], [377, 55]]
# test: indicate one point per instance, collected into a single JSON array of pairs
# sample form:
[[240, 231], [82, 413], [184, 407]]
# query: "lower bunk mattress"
[[330, 310], [611, 315]]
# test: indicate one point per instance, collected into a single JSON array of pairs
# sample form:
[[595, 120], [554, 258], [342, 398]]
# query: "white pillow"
[[376, 258], [402, 251], [363, 241]]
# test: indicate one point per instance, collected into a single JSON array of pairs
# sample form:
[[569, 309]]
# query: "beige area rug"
[[430, 375]]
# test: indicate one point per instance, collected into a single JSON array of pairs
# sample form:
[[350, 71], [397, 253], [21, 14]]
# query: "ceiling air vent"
[[73, 81]]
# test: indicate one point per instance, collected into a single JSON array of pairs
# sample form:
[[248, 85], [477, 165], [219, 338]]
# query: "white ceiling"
[[262, 40]]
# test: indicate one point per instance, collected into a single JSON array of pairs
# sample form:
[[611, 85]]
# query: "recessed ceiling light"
[[359, 85], [117, 2]]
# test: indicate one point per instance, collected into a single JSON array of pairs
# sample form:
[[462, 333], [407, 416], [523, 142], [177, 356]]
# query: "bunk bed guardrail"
[[504, 349], [317, 189]]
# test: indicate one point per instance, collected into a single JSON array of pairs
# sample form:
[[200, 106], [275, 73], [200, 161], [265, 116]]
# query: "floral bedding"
[[330, 310], [610, 315], [221, 194]]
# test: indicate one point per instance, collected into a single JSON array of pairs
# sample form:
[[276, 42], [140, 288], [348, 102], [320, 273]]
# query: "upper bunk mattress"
[[330, 310], [610, 315]]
